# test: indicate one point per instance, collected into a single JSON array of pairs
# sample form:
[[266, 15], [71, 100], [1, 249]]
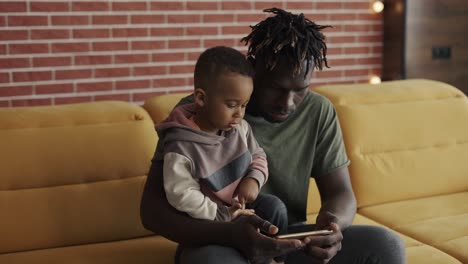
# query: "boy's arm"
[[183, 191], [160, 217], [258, 169]]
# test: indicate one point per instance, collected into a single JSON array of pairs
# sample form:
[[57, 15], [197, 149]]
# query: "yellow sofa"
[[71, 176]]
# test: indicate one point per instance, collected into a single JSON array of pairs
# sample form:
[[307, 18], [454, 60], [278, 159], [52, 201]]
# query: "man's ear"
[[200, 97]]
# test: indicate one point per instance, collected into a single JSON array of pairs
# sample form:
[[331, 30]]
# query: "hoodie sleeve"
[[183, 191], [258, 169]]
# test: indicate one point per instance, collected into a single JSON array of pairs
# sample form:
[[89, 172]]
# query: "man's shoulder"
[[317, 103]]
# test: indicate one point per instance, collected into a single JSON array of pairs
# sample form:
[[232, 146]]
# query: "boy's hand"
[[236, 209], [247, 191]]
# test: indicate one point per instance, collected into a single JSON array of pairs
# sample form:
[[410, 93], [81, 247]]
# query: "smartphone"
[[306, 234]]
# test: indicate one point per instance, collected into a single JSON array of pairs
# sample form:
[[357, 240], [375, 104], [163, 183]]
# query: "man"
[[300, 133]]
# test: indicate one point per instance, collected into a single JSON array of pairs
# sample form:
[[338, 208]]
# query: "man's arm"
[[160, 217], [337, 196]]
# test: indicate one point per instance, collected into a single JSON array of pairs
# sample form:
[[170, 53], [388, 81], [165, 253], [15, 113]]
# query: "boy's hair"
[[219, 60], [289, 36]]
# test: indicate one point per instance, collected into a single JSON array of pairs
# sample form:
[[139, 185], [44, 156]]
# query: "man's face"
[[226, 101], [278, 92]]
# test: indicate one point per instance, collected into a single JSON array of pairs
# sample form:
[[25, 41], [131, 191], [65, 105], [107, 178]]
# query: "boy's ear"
[[200, 97]]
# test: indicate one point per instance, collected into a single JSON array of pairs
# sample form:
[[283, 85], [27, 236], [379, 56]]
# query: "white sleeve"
[[183, 191]]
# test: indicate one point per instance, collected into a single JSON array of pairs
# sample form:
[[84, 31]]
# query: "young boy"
[[213, 166]]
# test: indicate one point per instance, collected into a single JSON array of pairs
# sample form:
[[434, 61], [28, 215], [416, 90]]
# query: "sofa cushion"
[[440, 221], [405, 139], [147, 250], [72, 174]]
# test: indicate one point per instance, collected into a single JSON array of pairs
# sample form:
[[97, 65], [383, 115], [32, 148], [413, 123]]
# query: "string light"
[[375, 80], [377, 6]]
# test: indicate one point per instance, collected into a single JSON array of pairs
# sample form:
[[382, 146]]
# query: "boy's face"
[[278, 92], [225, 102]]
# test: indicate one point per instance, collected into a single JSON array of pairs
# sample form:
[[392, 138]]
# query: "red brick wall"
[[58, 52]]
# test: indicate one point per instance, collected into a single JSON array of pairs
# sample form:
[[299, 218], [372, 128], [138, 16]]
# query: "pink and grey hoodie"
[[202, 170]]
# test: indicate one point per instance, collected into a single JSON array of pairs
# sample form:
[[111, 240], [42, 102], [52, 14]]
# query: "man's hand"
[[322, 249], [247, 191], [258, 247]]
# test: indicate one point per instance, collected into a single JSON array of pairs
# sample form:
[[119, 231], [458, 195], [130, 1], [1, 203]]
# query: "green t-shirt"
[[307, 144]]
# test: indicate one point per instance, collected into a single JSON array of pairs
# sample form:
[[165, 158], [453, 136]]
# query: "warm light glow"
[[375, 80], [378, 6]]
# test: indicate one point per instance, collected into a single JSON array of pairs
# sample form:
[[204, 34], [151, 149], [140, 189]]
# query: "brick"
[[16, 90], [328, 74], [184, 44], [179, 69], [193, 56], [131, 58], [208, 43], [93, 59], [31, 102], [202, 6], [265, 5], [213, 18], [54, 88], [90, 6], [355, 28], [237, 5], [69, 20], [167, 6], [202, 31], [112, 97], [343, 16], [341, 39], [147, 19], [139, 97], [343, 62], [51, 61], [111, 72], [372, 16], [32, 76], [251, 18], [150, 70], [328, 5], [4, 77], [20, 21], [364, 72], [109, 20], [356, 50], [13, 34], [5, 103], [316, 17], [300, 5], [377, 38], [129, 6], [129, 32], [11, 6], [235, 30], [2, 21], [91, 33], [163, 57], [10, 63], [169, 82], [377, 28], [169, 31], [72, 100], [48, 6], [377, 49], [94, 86], [356, 5], [70, 47], [147, 45], [364, 61], [107, 46], [50, 34], [73, 74], [334, 51], [183, 18], [136, 84]]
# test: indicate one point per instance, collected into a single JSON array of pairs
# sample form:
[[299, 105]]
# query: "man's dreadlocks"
[[289, 36]]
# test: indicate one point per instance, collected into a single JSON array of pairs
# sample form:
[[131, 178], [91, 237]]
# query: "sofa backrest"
[[406, 139], [72, 174]]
